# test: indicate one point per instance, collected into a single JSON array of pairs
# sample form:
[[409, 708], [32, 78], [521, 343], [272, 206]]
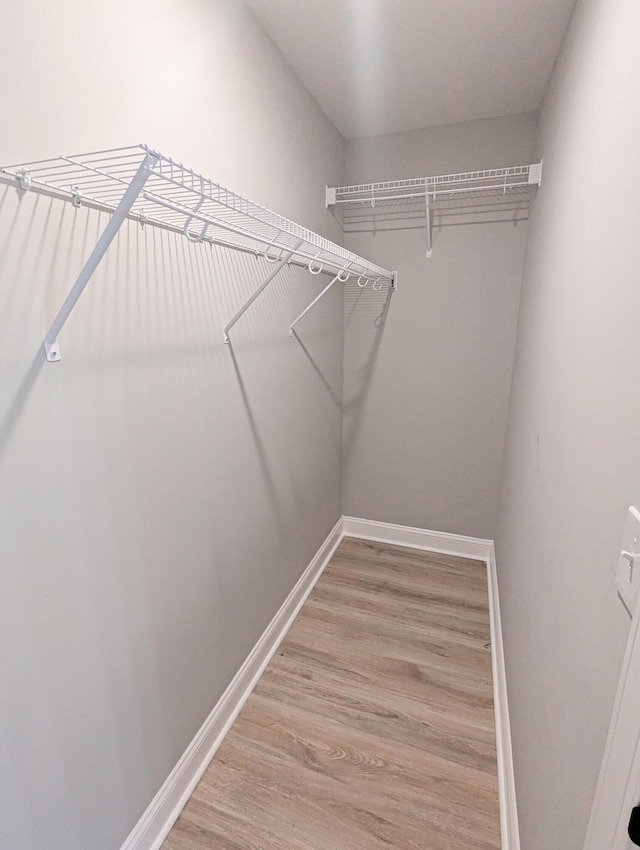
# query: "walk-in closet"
[[319, 468]]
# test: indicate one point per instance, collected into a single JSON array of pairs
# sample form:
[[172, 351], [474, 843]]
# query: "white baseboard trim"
[[417, 538], [484, 550], [509, 828], [155, 824]]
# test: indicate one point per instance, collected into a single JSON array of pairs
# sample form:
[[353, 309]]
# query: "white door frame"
[[618, 789]]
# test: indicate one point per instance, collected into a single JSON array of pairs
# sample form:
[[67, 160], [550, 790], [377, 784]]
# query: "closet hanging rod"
[[140, 183]]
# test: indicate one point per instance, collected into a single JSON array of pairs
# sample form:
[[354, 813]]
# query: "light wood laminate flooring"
[[372, 726]]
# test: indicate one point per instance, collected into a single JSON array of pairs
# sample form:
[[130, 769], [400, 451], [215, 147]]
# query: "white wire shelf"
[[500, 194], [140, 183]]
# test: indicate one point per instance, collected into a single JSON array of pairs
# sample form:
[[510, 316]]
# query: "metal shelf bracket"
[[342, 276], [51, 347], [429, 235], [283, 262]]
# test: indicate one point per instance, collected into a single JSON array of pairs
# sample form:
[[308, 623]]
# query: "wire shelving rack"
[[140, 183], [500, 194]]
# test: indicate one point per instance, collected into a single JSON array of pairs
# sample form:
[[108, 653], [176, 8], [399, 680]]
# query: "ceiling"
[[384, 66]]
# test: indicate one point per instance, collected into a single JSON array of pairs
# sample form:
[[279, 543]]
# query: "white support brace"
[[51, 347], [342, 276], [260, 290], [427, 204]]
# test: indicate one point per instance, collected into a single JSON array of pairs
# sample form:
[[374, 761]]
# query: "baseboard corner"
[[417, 538]]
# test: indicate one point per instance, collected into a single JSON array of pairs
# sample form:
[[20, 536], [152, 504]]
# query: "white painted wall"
[[427, 382], [572, 463], [160, 493]]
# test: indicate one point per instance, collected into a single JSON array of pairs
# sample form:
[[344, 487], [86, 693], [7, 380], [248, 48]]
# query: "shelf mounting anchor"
[[24, 180], [51, 347], [283, 262]]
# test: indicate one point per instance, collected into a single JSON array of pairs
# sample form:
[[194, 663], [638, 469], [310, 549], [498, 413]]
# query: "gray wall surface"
[[160, 492], [427, 374], [572, 463]]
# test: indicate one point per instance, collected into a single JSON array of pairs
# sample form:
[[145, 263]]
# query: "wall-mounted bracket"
[[24, 180], [51, 347], [535, 173], [52, 351], [283, 262], [342, 276], [429, 234]]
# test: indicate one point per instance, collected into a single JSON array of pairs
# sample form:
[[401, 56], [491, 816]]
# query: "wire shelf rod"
[[260, 214], [435, 185], [32, 162], [433, 192], [216, 222], [466, 177], [142, 219]]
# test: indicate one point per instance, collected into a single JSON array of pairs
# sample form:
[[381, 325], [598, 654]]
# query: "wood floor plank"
[[372, 727]]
